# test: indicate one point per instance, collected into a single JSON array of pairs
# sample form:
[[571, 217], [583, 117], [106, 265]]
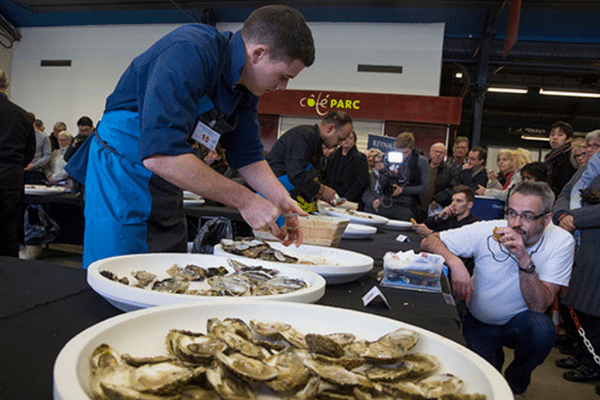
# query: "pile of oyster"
[[245, 280], [235, 361], [252, 247]]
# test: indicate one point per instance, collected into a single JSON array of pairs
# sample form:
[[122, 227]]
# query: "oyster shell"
[[240, 344], [228, 386], [294, 338], [229, 284], [376, 352], [309, 391], [337, 375], [144, 277], [439, 385], [171, 285], [292, 372], [162, 378], [188, 273], [271, 330], [321, 344], [138, 361], [249, 368], [193, 347], [404, 338]]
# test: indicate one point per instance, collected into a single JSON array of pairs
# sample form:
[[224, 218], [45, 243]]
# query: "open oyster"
[[234, 360]]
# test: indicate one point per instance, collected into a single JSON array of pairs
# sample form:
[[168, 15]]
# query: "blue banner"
[[383, 143]]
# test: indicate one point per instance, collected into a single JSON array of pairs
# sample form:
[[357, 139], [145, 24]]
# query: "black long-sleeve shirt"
[[292, 155]]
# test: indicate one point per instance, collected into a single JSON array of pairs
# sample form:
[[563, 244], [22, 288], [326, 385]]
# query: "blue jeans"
[[530, 334]]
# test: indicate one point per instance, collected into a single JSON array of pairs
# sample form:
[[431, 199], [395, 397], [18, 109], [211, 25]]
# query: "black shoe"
[[564, 340], [583, 373], [568, 363], [570, 349]]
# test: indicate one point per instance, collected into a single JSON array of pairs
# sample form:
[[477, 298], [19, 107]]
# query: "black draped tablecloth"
[[44, 305]]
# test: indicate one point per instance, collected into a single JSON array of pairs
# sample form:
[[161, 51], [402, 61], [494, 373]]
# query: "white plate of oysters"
[[145, 280], [357, 217], [337, 266], [264, 332]]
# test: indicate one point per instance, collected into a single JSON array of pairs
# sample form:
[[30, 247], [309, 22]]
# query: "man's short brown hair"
[[404, 140], [469, 193], [284, 30]]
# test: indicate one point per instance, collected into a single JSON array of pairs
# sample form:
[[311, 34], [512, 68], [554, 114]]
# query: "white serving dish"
[[357, 217], [129, 298], [398, 225], [358, 231], [43, 189], [335, 265], [143, 332]]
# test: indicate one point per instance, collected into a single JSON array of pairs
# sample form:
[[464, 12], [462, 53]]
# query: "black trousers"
[[591, 326]]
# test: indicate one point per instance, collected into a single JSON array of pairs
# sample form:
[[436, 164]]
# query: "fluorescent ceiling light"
[[497, 89], [540, 138], [568, 93]]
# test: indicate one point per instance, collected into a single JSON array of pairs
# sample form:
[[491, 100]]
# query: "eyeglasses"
[[526, 216], [594, 145]]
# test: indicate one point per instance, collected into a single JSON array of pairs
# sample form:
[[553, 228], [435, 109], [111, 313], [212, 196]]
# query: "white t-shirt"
[[496, 290]]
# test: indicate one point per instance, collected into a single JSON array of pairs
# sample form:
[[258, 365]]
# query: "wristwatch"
[[530, 269]]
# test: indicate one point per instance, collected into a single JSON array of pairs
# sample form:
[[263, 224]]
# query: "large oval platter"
[[358, 231], [143, 332], [337, 266], [357, 217], [43, 189], [129, 297]]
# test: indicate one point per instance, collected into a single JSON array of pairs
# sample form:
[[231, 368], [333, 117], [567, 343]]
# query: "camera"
[[391, 176]]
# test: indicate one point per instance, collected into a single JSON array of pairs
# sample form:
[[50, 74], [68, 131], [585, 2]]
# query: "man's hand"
[[467, 165], [447, 212], [422, 229], [397, 190], [567, 224], [512, 241], [291, 232], [327, 194], [462, 285], [376, 204]]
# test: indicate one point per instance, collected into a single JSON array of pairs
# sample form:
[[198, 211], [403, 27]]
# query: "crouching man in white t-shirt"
[[520, 265]]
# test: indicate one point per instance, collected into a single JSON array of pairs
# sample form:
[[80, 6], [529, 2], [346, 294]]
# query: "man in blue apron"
[[297, 156], [198, 82]]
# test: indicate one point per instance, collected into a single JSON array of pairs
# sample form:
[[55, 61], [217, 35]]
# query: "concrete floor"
[[547, 382]]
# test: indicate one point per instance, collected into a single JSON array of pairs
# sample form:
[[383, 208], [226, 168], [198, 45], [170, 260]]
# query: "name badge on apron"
[[205, 135]]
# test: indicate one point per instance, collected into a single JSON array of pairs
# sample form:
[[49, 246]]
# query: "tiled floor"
[[547, 382]]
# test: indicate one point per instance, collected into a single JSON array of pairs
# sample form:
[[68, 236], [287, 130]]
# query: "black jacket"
[[348, 175], [560, 169], [17, 143], [298, 154], [447, 178]]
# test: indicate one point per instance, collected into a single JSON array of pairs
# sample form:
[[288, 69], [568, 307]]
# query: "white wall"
[[100, 55], [341, 47]]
